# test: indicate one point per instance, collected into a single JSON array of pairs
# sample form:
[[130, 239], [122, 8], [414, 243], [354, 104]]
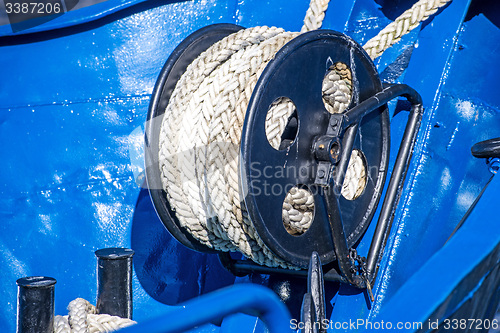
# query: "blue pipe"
[[251, 299]]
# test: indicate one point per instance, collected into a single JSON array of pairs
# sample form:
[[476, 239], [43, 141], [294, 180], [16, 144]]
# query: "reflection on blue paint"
[[72, 106]]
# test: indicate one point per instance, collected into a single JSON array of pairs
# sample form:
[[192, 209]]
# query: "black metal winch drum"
[[296, 72]]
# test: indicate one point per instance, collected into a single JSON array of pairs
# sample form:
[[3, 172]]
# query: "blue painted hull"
[[74, 94]]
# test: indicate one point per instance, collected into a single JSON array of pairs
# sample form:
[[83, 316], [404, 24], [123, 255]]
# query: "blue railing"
[[250, 299]]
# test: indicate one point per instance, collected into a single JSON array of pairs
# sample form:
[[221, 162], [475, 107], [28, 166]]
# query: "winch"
[[277, 154]]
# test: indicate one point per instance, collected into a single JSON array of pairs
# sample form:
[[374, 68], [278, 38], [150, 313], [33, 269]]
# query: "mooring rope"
[[83, 318], [201, 131], [391, 34], [405, 23], [315, 15]]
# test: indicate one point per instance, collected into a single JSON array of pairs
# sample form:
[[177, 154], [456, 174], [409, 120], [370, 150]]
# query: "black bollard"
[[114, 279], [35, 304]]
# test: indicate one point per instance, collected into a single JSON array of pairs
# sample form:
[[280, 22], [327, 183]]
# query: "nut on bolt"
[[327, 148]]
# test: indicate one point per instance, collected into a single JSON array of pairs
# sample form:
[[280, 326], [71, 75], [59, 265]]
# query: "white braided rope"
[[82, 318], [337, 88], [315, 15], [298, 209], [391, 34], [195, 217], [201, 158], [355, 176], [276, 120], [405, 23], [201, 130], [225, 125]]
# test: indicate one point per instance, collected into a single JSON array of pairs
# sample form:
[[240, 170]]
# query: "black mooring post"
[[35, 304], [114, 279]]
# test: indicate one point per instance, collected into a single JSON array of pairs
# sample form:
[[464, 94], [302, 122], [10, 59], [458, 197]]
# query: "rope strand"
[[83, 318], [405, 23]]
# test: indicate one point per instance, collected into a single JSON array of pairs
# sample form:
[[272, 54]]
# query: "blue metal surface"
[[245, 298], [438, 180], [168, 271], [73, 102], [69, 109], [469, 261]]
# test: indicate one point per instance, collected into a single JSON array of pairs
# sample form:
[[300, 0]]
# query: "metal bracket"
[[313, 310], [349, 266], [240, 267]]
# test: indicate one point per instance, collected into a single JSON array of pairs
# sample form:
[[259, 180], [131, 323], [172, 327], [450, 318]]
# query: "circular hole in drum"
[[298, 210], [281, 123], [337, 88], [355, 176]]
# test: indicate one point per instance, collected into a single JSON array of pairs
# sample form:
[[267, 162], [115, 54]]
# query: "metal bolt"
[[321, 173], [494, 164]]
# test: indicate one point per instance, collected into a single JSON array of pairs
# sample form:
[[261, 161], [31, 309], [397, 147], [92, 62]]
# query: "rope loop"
[[83, 318]]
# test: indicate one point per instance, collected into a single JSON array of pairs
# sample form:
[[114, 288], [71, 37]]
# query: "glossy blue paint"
[[168, 271], [462, 265], [446, 162], [445, 178], [70, 106], [73, 102], [242, 323], [344, 305]]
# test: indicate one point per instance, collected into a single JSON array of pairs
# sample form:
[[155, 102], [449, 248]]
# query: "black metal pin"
[[114, 279], [35, 304]]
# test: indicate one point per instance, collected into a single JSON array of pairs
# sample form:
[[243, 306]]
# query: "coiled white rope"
[[201, 131], [83, 318], [200, 136]]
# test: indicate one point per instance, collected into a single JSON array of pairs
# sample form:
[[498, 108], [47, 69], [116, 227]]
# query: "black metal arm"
[[349, 121]]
